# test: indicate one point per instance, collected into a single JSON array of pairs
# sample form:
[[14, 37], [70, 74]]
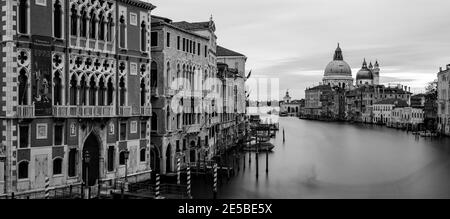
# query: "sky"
[[294, 40]]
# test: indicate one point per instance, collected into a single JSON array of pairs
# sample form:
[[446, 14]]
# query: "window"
[[93, 25], [23, 170], [57, 88], [133, 127], [168, 39], [133, 68], [206, 51], [142, 155], [122, 92], [143, 36], [122, 32], [154, 125], [143, 92], [133, 19], [57, 19], [154, 39], [122, 158], [23, 87], [24, 136], [178, 42], [23, 16], [102, 27], [59, 135], [194, 47], [198, 48], [72, 163], [83, 23], [41, 131], [41, 2], [143, 130], [123, 131], [57, 166], [111, 151], [184, 45], [154, 74]]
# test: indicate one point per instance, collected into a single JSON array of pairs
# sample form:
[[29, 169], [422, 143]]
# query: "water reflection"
[[333, 160]]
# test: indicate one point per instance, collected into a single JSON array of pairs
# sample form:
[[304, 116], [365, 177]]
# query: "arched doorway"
[[155, 160], [193, 152], [91, 170], [169, 159]]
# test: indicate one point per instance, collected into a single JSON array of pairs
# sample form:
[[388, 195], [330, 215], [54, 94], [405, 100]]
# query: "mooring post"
[[267, 159], [284, 136], [189, 182], [215, 182], [257, 157]]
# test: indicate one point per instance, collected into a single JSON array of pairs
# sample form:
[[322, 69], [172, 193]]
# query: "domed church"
[[368, 75], [338, 73]]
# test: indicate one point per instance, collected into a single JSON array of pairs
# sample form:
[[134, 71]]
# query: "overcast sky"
[[295, 39]]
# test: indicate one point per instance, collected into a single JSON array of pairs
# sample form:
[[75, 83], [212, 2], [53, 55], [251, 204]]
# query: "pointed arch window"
[[83, 91], [57, 19], [92, 25], [168, 77], [23, 16], [102, 28], [168, 119], [92, 91], [110, 28], [73, 91], [143, 92], [143, 36], [154, 122], [83, 23], [122, 91], [154, 75], [101, 92], [57, 93], [74, 21], [122, 32], [23, 87], [110, 93]]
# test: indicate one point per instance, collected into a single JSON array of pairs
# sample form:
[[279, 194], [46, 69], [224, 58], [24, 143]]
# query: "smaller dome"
[[365, 73]]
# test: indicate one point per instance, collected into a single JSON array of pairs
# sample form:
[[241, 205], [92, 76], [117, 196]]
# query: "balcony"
[[83, 111], [25, 112], [125, 111], [146, 111], [195, 128]]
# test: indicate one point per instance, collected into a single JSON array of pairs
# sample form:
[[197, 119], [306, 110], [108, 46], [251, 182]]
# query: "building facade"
[[71, 110], [444, 100]]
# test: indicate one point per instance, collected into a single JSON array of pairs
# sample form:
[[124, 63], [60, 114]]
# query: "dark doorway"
[[91, 170]]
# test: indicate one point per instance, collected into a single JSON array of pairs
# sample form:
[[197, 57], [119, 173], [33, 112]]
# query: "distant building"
[[288, 107], [444, 100], [338, 72], [317, 101], [382, 110]]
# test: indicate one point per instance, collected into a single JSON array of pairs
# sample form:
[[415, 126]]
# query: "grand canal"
[[337, 160]]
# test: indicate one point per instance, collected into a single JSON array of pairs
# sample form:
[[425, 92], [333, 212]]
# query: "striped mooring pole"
[[215, 181], [178, 171], [189, 182], [157, 186], [47, 188]]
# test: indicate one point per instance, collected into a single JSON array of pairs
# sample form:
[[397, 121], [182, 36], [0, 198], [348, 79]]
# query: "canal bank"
[[338, 160]]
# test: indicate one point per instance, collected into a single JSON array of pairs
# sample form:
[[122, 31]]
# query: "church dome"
[[338, 67], [365, 73]]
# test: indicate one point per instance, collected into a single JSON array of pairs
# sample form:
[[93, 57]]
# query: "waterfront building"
[[444, 100], [289, 107], [338, 73], [236, 62], [317, 101], [180, 66], [75, 101], [383, 111], [407, 117]]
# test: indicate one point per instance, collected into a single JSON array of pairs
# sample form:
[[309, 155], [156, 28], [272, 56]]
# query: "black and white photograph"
[[224, 101]]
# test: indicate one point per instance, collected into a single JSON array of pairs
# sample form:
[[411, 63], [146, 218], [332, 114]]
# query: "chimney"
[[440, 69], [448, 67]]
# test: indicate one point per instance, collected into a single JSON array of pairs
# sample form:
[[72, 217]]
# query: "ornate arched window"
[[92, 25], [92, 91], [143, 36], [143, 92], [57, 166], [154, 122], [73, 90], [23, 16], [83, 91], [122, 90], [154, 74], [168, 77], [83, 23], [57, 93], [57, 19], [23, 87], [110, 31], [142, 155], [74, 21], [101, 92], [122, 32], [23, 170], [102, 28], [110, 92], [168, 119]]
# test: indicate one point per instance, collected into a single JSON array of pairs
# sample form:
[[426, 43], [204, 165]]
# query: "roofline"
[[139, 3], [163, 23]]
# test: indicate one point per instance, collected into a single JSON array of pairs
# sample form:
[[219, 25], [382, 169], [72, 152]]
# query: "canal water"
[[338, 160]]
